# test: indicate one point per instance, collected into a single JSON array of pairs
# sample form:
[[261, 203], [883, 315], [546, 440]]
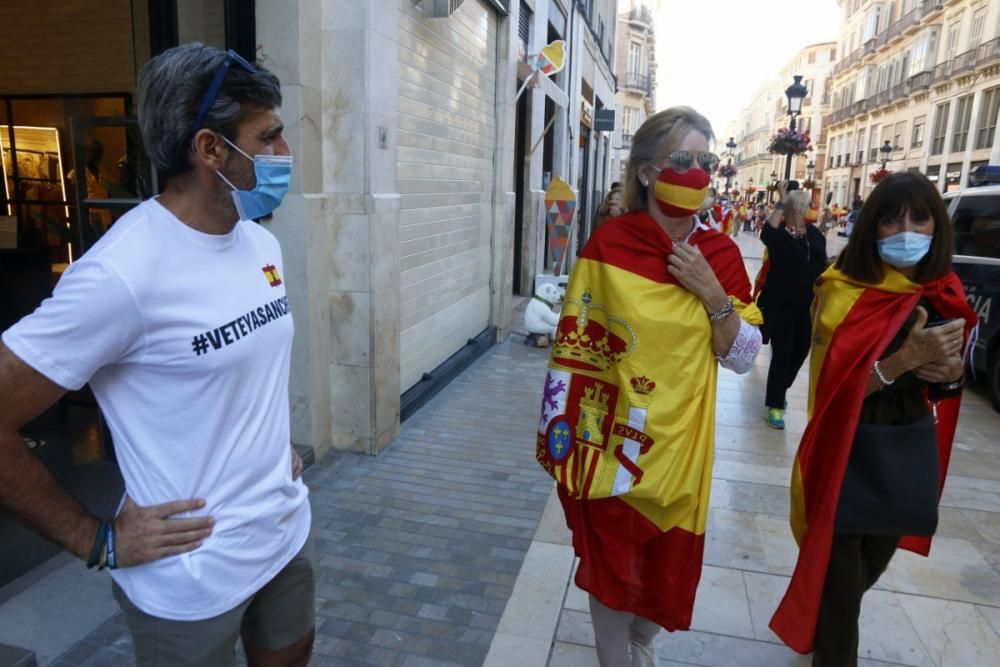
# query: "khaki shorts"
[[278, 615]]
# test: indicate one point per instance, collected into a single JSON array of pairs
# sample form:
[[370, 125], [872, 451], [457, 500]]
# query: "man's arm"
[[27, 488], [33, 495]]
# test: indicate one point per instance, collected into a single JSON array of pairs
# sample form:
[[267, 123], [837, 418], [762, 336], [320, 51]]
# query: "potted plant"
[[727, 170], [878, 175], [789, 142]]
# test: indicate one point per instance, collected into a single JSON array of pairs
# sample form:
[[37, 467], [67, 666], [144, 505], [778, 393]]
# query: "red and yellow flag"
[[628, 415], [853, 324]]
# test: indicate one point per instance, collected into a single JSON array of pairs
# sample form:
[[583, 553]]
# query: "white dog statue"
[[541, 317]]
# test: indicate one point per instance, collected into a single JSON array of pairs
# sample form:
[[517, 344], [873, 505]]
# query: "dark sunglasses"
[[681, 161], [220, 76]]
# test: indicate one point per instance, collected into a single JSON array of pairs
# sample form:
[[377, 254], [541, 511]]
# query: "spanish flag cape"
[[853, 324], [628, 415]]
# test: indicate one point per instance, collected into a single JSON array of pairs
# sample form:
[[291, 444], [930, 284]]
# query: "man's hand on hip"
[[145, 534]]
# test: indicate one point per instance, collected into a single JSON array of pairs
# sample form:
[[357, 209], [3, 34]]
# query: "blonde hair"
[[660, 133], [797, 201]]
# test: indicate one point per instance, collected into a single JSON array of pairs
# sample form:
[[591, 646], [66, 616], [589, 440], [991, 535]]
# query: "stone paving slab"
[[419, 547]]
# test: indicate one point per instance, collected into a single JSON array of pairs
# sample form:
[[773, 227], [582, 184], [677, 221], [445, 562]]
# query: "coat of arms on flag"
[[560, 205]]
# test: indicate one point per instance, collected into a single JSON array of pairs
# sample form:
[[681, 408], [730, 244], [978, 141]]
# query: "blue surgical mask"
[[274, 175], [904, 249]]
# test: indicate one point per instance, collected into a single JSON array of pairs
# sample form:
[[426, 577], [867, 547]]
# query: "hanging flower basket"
[[789, 142], [808, 185], [727, 170], [771, 187], [752, 189], [878, 176]]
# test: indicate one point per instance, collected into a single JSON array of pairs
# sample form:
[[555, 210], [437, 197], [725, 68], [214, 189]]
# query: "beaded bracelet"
[[880, 376]]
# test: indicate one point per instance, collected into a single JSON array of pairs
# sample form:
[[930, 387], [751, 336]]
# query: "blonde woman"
[[796, 255], [655, 304]]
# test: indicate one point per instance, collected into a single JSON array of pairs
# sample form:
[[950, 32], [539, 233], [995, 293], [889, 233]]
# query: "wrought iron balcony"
[[641, 15], [638, 81], [964, 62], [943, 70], [988, 52], [921, 81]]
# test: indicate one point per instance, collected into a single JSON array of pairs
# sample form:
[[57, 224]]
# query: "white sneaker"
[[642, 655]]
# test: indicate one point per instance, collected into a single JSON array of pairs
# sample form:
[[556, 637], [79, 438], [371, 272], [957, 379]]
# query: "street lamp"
[[731, 145], [774, 183], [809, 169], [885, 150], [795, 94]]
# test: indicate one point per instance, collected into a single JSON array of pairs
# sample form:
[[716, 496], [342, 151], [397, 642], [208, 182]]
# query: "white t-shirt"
[[185, 338]]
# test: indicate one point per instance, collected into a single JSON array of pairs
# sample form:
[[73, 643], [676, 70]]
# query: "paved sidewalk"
[[419, 547]]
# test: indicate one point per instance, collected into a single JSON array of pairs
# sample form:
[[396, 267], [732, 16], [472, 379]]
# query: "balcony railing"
[[642, 15], [639, 82], [943, 70], [882, 39], [852, 59], [964, 62], [870, 46], [899, 91], [859, 107], [921, 81], [988, 52]]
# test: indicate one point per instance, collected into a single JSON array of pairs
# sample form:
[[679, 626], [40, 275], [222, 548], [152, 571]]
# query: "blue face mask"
[[904, 249], [274, 175]]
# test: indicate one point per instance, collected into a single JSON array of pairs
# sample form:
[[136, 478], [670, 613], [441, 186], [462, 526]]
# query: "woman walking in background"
[[796, 255], [884, 388]]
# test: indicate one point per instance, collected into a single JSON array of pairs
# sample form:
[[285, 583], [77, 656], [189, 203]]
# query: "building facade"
[[751, 131], [768, 111], [916, 87], [635, 68], [556, 134]]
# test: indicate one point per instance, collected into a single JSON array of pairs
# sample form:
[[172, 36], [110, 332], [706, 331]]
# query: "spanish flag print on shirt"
[[853, 324], [628, 415]]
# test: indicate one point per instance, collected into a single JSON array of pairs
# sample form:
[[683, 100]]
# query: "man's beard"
[[240, 173]]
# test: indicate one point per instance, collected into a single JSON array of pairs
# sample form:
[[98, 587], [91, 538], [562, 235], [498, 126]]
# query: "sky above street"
[[713, 54]]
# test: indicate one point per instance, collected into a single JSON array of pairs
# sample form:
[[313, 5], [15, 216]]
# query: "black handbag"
[[891, 482]]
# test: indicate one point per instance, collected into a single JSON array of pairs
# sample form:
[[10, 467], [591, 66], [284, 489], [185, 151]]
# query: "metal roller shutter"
[[445, 173]]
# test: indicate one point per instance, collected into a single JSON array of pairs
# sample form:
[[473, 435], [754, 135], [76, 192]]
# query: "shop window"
[[38, 196]]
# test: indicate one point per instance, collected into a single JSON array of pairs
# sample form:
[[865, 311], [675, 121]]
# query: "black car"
[[975, 212]]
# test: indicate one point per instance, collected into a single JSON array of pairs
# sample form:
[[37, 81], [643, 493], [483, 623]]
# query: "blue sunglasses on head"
[[220, 76]]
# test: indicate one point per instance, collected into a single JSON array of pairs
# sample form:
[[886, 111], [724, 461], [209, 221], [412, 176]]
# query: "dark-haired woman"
[[880, 368]]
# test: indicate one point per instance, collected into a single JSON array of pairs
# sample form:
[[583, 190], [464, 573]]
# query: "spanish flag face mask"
[[681, 194]]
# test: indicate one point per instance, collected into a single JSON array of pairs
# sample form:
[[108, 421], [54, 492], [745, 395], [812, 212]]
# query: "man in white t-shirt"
[[179, 321]]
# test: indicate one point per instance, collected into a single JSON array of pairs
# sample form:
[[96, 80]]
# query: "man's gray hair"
[[170, 90]]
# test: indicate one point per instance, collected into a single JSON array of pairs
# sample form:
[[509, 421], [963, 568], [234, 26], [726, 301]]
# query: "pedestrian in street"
[[178, 320], [884, 389], [611, 206], [796, 256], [657, 301]]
